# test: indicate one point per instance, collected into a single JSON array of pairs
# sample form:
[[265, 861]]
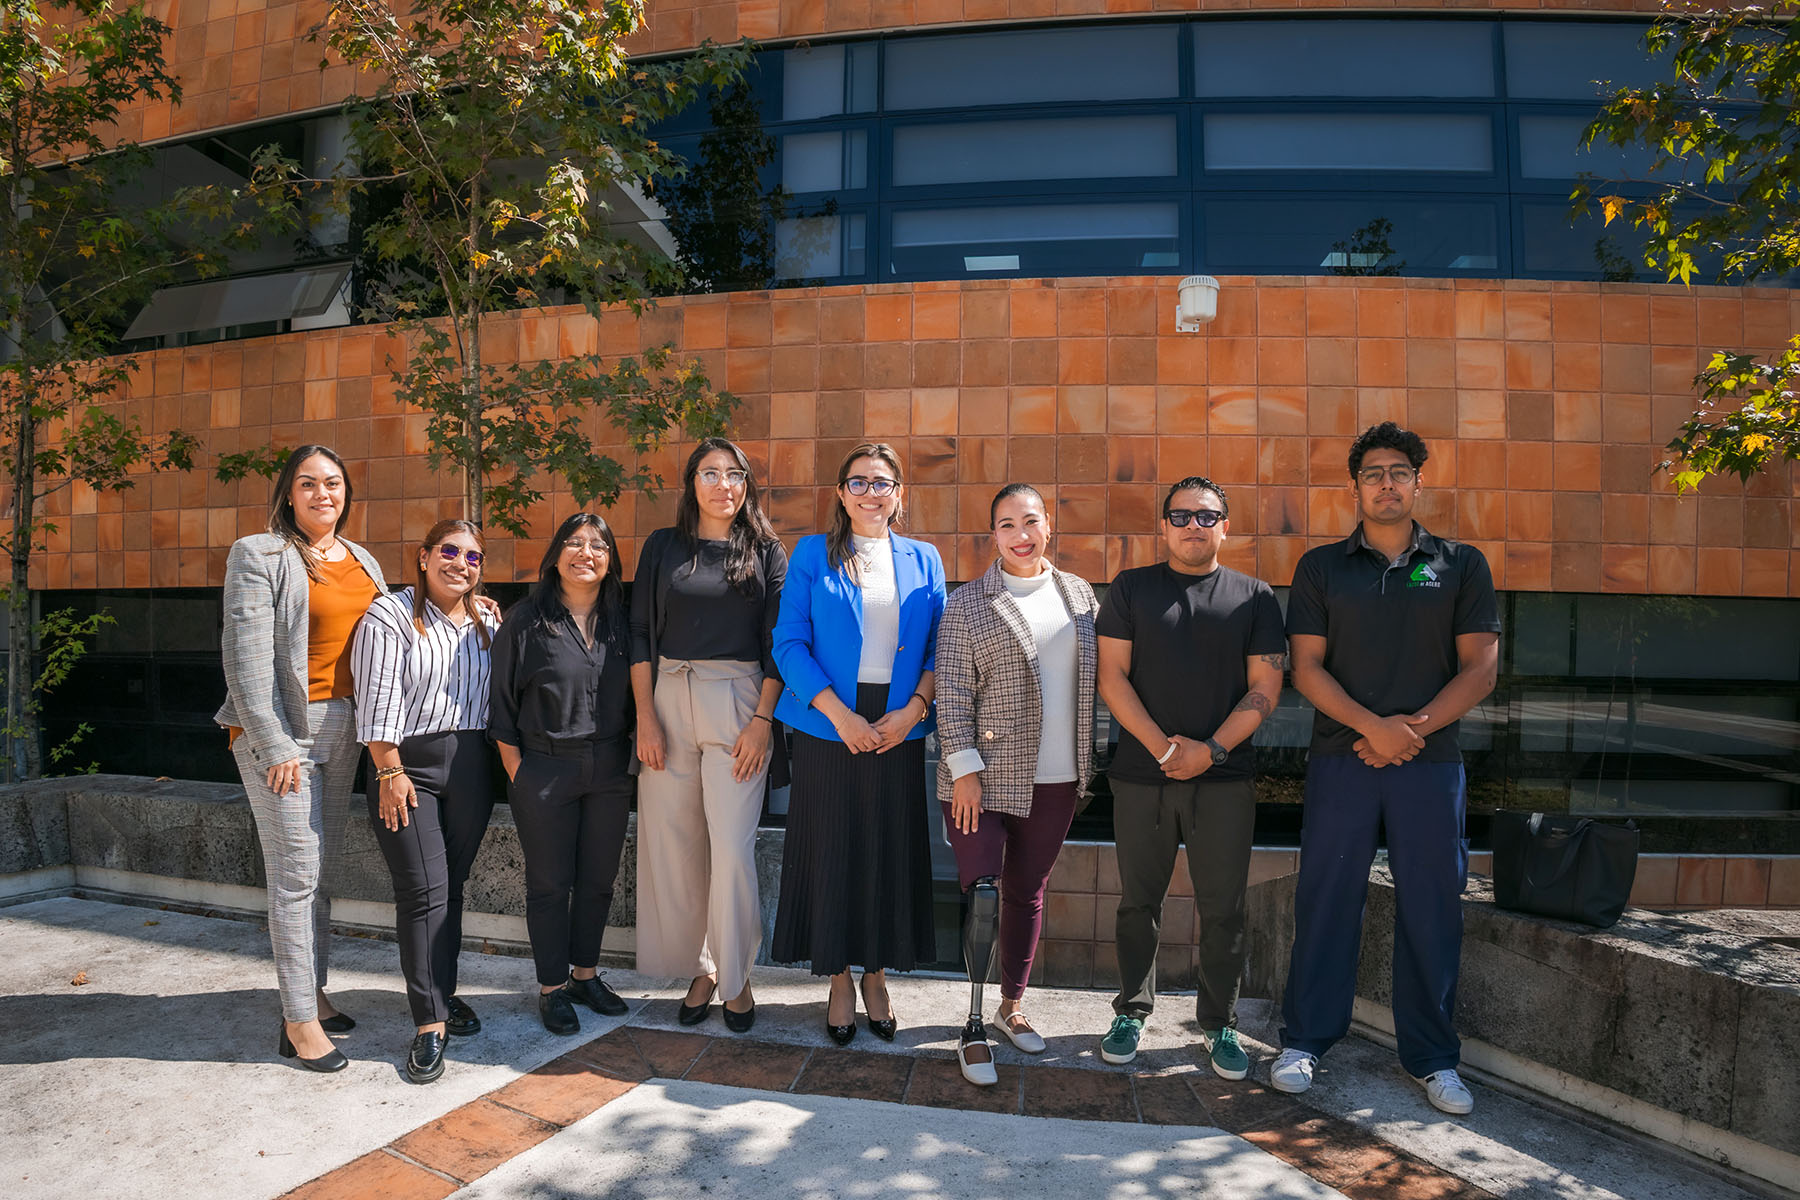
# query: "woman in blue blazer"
[[856, 644]]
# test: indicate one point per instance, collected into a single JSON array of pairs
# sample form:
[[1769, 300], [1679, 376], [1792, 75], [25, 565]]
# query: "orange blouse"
[[335, 602]]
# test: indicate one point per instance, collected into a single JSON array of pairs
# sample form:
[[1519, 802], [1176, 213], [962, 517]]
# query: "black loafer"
[[325, 1064], [425, 1061], [462, 1022], [740, 1022], [342, 1023], [557, 1011], [596, 995], [693, 1014]]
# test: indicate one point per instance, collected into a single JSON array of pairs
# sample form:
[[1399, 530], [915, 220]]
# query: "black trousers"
[[571, 808], [430, 856], [1217, 821]]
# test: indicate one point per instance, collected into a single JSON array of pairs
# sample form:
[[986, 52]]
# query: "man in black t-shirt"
[[1395, 635], [1190, 662]]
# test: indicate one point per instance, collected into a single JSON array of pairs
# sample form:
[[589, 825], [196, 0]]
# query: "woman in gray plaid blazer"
[[1016, 656], [293, 596]]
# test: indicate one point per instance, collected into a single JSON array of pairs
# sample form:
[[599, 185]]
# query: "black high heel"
[[740, 1022], [325, 1063], [841, 1034], [339, 1023], [884, 1030], [693, 1014]]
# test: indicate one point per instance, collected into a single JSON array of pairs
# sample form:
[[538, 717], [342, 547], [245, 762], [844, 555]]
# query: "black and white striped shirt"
[[410, 684]]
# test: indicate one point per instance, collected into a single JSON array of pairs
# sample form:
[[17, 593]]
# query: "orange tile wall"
[[250, 60], [1546, 406]]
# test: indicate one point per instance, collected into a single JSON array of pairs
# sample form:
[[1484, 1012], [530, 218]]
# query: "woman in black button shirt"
[[560, 715], [702, 608]]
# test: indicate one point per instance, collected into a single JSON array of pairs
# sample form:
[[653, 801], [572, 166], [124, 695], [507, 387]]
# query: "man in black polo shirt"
[[1190, 662], [1395, 634]]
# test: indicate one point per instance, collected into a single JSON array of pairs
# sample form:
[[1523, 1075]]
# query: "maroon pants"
[[1020, 851]]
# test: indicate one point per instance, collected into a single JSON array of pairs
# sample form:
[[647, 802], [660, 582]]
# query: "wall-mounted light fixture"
[[1198, 303]]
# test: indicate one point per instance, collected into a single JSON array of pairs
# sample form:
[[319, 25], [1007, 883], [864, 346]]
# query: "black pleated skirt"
[[856, 865]]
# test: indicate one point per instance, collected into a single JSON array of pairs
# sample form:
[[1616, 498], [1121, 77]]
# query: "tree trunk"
[[474, 476], [22, 760]]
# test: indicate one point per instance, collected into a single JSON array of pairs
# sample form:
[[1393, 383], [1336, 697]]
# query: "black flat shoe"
[[325, 1064], [342, 1023], [693, 1014], [841, 1034], [557, 1011], [462, 1022], [596, 995], [740, 1022], [425, 1061]]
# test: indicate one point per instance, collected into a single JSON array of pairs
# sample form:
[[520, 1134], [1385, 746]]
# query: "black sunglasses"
[[1205, 517]]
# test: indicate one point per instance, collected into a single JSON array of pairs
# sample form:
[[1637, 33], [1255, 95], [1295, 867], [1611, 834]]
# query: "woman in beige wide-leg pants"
[[702, 610]]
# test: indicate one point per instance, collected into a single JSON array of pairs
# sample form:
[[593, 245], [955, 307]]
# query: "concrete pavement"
[[157, 1077]]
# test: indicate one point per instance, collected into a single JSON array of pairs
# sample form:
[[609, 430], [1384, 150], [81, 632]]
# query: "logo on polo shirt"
[[1423, 576]]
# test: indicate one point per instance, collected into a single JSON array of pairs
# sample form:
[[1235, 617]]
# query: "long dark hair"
[[837, 538], [750, 529], [433, 540], [282, 522], [608, 616]]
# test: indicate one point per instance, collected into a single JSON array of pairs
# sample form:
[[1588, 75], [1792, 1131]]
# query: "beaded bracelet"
[[383, 774]]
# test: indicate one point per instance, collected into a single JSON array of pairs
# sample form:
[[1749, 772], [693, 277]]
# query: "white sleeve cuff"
[[964, 762]]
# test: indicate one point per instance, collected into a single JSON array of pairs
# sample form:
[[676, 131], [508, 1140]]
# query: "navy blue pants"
[[1420, 804]]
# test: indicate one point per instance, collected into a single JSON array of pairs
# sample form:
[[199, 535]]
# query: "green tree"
[[1722, 200], [497, 159], [79, 254]]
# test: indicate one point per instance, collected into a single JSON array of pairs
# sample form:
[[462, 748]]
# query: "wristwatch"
[[1219, 753]]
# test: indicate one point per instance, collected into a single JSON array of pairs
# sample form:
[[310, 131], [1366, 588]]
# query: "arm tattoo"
[[1278, 661], [1254, 702]]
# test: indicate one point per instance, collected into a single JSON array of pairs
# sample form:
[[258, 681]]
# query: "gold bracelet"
[[383, 774]]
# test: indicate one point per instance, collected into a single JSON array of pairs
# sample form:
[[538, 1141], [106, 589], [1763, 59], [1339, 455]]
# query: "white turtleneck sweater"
[[881, 608]]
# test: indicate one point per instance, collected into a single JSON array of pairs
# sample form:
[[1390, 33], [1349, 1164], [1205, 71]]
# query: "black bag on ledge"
[[1569, 868]]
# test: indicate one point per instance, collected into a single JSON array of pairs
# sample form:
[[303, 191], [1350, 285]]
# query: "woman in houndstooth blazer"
[[293, 596], [1016, 656]]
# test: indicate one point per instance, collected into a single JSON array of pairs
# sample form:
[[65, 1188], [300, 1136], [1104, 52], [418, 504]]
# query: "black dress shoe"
[[884, 1030], [557, 1010], [596, 995], [425, 1061], [693, 1014], [841, 1034], [325, 1063], [740, 1022], [462, 1022], [341, 1023]]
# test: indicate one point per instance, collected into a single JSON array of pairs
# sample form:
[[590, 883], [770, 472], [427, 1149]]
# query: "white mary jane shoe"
[[981, 1074], [1027, 1040]]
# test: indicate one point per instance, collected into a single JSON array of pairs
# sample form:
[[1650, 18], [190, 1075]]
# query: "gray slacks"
[[1217, 821], [699, 910], [302, 836]]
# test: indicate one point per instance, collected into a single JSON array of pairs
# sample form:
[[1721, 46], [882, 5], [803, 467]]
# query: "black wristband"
[[760, 717]]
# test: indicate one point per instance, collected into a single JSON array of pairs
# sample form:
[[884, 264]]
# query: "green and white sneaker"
[[1119, 1046], [1227, 1057]]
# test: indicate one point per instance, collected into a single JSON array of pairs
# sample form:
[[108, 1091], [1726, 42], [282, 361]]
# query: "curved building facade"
[[987, 207]]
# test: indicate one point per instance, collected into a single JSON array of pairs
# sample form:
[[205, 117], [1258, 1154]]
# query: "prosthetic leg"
[[981, 940]]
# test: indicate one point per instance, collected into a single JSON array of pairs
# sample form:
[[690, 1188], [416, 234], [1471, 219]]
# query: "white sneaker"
[[981, 1074], [1293, 1072], [1447, 1092], [1023, 1038]]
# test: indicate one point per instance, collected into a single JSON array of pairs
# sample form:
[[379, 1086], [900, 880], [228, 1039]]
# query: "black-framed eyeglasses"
[[712, 477], [1206, 518], [450, 554], [1401, 475], [861, 485]]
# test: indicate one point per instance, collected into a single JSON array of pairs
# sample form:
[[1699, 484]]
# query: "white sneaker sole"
[[1222, 1073]]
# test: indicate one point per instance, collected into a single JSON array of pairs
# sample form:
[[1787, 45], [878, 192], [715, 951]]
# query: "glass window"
[[1348, 142], [253, 300], [1073, 148], [1343, 58], [1686, 637], [1551, 243], [1575, 61], [1364, 235], [1133, 62], [825, 162], [1042, 239], [822, 247], [827, 81], [1550, 148]]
